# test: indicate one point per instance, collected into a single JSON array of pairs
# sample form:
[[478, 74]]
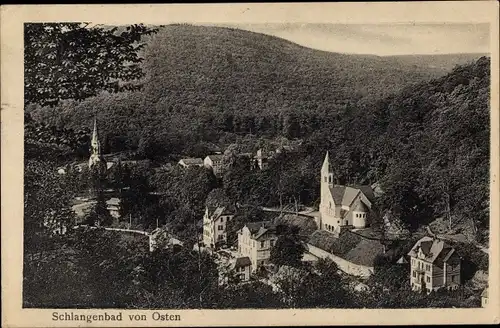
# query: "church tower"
[[326, 199], [326, 176], [96, 160]]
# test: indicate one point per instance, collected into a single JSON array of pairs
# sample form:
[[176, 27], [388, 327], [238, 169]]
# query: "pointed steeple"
[[95, 144], [96, 158], [326, 162]]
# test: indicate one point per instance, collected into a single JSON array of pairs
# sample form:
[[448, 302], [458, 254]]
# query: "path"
[[145, 233], [430, 232], [308, 212]]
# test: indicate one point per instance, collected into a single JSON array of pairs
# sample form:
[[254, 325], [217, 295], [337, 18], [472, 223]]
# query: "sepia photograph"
[[271, 165]]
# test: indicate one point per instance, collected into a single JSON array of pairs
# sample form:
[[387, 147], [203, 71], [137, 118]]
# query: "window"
[[221, 219], [221, 227], [262, 244], [414, 274], [272, 243], [454, 279], [428, 279]]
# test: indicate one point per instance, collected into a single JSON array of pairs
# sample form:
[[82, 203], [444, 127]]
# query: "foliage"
[[288, 249], [75, 61]]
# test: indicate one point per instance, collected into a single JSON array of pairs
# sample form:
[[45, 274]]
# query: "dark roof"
[[261, 228], [305, 224], [337, 193], [241, 262], [433, 249], [254, 227], [349, 246]]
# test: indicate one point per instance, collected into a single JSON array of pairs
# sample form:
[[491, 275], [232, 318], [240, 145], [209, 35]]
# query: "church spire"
[[96, 158], [326, 172], [95, 144], [326, 163]]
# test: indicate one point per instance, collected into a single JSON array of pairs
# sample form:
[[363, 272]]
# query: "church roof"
[[344, 195], [360, 207]]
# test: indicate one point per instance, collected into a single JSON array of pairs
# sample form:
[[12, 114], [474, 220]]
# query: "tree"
[[288, 250], [77, 61]]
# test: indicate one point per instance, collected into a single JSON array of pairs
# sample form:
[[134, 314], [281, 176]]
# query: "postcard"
[[250, 164]]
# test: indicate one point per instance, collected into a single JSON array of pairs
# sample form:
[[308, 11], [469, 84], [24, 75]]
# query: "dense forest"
[[208, 84]]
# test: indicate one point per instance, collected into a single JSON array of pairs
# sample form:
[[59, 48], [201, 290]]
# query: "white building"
[[188, 162], [214, 225], [434, 265], [255, 240], [216, 163], [342, 206]]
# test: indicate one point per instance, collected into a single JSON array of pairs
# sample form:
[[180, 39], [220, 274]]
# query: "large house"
[[434, 265], [216, 163], [255, 240], [214, 225], [342, 206]]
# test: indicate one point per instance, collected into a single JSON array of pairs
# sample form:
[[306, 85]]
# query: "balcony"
[[419, 270]]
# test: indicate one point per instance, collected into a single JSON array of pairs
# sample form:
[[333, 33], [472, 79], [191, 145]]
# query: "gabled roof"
[[192, 161], [344, 195], [349, 246], [432, 249], [349, 195], [259, 229], [215, 157], [216, 212], [337, 194], [240, 262], [360, 207]]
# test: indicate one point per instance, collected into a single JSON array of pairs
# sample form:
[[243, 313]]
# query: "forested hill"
[[204, 83], [428, 146]]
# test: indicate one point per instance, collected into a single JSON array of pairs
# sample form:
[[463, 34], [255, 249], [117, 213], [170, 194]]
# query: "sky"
[[382, 39]]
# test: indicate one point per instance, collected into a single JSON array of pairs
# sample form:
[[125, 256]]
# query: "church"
[[343, 207]]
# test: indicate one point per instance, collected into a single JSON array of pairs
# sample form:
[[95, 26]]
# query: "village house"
[[214, 225], [160, 238], [216, 163], [241, 267], [255, 240], [434, 265], [342, 206], [188, 162]]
